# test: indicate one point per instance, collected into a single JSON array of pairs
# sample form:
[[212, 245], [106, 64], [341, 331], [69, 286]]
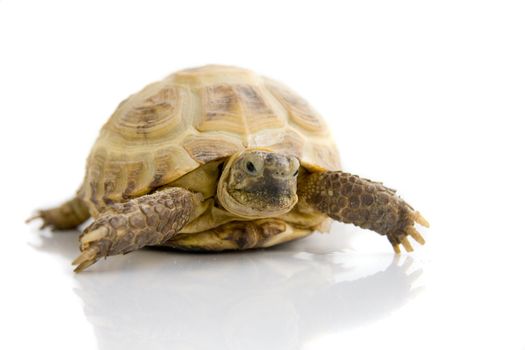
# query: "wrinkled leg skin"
[[350, 199], [65, 217], [125, 227]]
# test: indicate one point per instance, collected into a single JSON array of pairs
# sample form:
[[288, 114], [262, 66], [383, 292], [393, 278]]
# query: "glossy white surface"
[[280, 298], [426, 97]]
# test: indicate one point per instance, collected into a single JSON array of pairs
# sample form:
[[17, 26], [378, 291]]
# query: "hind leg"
[[65, 217]]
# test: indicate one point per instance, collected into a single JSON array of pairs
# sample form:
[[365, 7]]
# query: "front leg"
[[125, 227], [364, 203]]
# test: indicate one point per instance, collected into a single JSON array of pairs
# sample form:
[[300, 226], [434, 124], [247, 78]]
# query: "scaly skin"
[[125, 227], [65, 217], [364, 203]]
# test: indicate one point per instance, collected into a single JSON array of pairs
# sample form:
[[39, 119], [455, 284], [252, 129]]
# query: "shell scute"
[[163, 163], [257, 110], [113, 177], [222, 110], [205, 149], [134, 171], [157, 115], [299, 109]]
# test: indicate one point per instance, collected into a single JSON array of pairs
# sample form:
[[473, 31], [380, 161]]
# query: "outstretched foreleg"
[[364, 203]]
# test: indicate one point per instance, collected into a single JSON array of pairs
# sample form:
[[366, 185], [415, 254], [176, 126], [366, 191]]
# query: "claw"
[[397, 250], [420, 219], [395, 244], [87, 258], [406, 244], [84, 266], [94, 235], [416, 235], [39, 215], [32, 218]]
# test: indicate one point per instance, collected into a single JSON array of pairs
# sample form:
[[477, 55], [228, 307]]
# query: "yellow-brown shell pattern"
[[194, 116]]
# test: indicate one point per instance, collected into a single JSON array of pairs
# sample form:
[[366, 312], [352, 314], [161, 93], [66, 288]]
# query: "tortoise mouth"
[[267, 200], [241, 203]]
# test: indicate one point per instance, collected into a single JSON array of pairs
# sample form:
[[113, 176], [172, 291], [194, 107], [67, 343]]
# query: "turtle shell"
[[195, 116]]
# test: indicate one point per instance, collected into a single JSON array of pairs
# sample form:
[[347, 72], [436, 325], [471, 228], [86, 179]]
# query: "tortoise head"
[[258, 183]]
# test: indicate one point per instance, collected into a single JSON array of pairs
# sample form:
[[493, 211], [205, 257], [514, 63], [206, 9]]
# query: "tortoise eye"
[[250, 167], [296, 172]]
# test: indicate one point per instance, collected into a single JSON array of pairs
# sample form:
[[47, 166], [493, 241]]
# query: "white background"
[[425, 96]]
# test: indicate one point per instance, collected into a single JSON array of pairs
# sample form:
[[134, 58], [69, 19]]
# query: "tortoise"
[[218, 158]]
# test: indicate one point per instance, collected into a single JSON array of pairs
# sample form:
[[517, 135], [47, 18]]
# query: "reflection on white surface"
[[279, 298]]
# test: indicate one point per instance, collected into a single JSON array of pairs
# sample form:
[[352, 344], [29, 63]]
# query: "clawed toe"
[[397, 250], [417, 217], [87, 258], [32, 218], [403, 241], [406, 244], [416, 235], [92, 236], [401, 238], [39, 215], [92, 247]]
